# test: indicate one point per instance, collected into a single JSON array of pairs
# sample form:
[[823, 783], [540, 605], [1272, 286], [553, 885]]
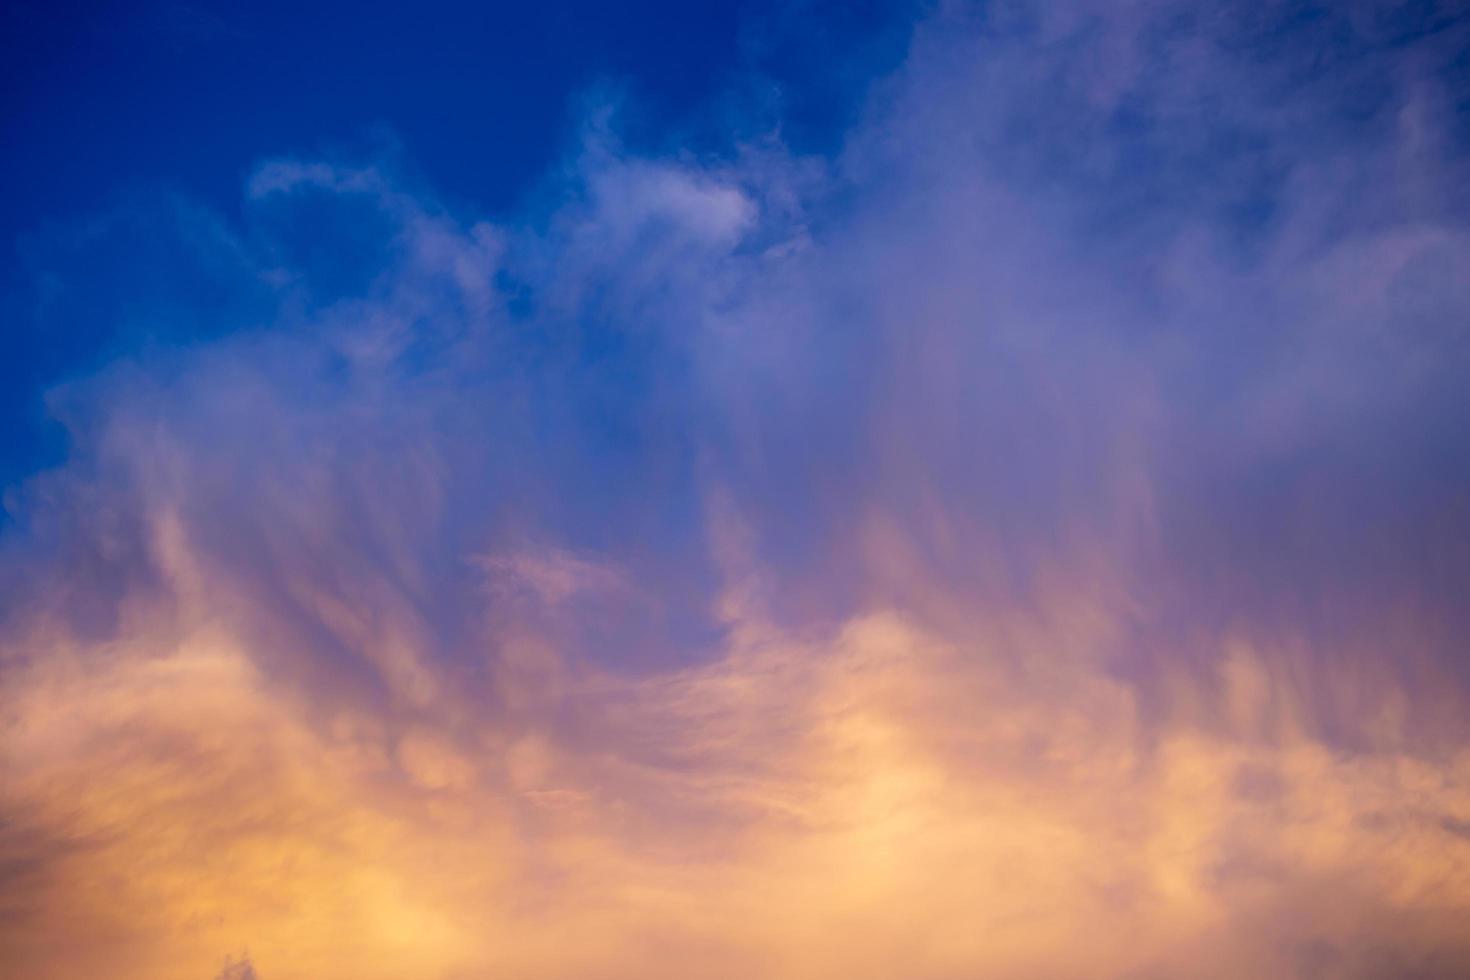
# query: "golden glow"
[[884, 802]]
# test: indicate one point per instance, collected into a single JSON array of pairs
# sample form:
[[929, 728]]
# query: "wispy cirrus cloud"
[[1023, 543]]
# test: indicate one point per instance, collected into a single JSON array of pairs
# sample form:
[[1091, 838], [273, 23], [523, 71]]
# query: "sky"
[[930, 490]]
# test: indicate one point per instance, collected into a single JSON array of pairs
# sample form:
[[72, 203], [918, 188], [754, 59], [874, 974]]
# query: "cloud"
[[550, 576], [1024, 543]]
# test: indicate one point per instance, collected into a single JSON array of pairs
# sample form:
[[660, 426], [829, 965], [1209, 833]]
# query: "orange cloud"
[[879, 801]]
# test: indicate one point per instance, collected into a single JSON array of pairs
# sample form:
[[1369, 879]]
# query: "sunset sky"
[[596, 491]]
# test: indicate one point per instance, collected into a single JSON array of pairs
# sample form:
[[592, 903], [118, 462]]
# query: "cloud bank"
[[1024, 542]]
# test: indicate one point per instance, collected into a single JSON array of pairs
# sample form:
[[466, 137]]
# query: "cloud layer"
[[1025, 542]]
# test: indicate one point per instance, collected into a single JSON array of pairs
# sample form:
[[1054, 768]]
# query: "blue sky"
[[930, 491], [109, 102]]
